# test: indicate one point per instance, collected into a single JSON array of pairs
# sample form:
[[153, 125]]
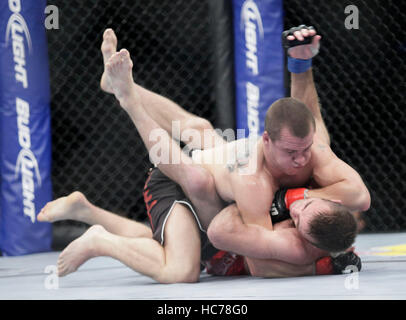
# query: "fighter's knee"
[[197, 123], [184, 274], [198, 181], [189, 276]]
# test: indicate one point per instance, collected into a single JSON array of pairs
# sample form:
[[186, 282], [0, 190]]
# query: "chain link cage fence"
[[96, 149]]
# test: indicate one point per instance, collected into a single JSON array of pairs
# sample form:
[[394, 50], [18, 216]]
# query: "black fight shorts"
[[160, 196]]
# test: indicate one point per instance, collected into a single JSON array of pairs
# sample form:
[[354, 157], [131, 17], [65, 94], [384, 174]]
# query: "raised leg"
[[180, 124], [197, 183]]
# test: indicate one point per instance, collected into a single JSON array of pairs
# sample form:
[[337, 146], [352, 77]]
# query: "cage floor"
[[382, 277]]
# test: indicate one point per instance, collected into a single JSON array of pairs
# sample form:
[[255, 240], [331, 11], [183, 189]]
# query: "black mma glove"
[[281, 203], [300, 59], [287, 44], [346, 262]]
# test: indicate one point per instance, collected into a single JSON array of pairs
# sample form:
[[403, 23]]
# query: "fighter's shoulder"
[[258, 179], [255, 188]]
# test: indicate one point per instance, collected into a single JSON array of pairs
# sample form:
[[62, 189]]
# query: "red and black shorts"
[[160, 196]]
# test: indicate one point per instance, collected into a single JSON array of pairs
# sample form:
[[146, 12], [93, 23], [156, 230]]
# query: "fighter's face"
[[303, 211], [289, 153]]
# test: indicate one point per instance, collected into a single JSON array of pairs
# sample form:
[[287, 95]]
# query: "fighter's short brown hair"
[[290, 113], [334, 231]]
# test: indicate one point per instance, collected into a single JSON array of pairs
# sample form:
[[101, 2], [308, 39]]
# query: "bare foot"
[[79, 251], [72, 207], [108, 48], [118, 75]]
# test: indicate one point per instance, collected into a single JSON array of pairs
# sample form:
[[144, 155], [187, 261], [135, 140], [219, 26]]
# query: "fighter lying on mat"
[[177, 260]]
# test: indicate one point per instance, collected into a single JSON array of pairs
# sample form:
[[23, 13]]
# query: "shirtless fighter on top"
[[287, 157]]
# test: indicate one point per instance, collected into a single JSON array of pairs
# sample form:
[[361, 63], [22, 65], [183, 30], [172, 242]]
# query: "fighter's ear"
[[265, 138]]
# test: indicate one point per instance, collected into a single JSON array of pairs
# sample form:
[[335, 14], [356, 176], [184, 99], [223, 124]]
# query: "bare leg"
[[77, 207], [182, 169], [164, 111], [177, 261], [118, 74]]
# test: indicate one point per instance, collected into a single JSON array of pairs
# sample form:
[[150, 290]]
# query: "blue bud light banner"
[[259, 60], [25, 127]]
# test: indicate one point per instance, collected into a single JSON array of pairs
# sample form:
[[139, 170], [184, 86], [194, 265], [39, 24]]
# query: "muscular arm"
[[304, 89], [253, 197], [302, 84], [228, 232], [338, 180]]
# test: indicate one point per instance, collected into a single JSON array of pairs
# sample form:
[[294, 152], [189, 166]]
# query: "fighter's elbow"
[[256, 272], [219, 238], [218, 235], [214, 234], [365, 200], [360, 196], [221, 228], [256, 268]]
